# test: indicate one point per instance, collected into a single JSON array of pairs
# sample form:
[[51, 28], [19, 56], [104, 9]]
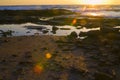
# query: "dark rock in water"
[[73, 35], [103, 76], [1, 31], [54, 32], [45, 31], [54, 29], [28, 32], [35, 27], [65, 28], [81, 34], [6, 33]]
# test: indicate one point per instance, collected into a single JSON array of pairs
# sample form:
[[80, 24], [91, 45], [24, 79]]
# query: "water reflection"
[[21, 29], [95, 14], [118, 27], [102, 14]]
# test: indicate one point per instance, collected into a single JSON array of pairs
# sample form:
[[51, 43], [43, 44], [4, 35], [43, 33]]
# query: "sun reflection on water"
[[100, 14], [95, 14]]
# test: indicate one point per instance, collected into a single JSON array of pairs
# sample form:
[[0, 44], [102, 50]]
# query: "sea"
[[112, 11], [108, 11]]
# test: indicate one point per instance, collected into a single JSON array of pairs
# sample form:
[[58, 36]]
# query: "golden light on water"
[[95, 2], [94, 14]]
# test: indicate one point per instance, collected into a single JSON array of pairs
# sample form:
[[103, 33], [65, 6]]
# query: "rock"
[[108, 29], [45, 31], [54, 29], [36, 34], [73, 35], [35, 27], [28, 32], [65, 29]]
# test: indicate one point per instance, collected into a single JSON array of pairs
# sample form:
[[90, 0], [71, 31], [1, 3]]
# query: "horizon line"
[[57, 4]]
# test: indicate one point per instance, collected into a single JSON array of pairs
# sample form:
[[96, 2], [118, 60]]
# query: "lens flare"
[[38, 69], [73, 22], [48, 55]]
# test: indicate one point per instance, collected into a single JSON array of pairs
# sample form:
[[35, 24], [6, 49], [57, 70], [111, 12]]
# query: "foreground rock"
[[60, 58]]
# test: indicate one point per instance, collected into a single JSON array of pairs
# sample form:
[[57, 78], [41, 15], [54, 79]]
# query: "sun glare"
[[92, 2]]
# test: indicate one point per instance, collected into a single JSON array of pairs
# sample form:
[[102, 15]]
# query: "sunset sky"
[[44, 2]]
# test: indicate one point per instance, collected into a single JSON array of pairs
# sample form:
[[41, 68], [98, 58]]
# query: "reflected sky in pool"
[[22, 30]]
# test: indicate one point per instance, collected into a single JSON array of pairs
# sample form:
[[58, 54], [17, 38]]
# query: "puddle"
[[31, 29]]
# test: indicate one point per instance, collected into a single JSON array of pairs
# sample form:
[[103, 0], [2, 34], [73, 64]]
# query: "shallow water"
[[22, 30], [118, 27]]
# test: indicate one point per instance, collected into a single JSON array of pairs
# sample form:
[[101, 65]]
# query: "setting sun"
[[93, 2]]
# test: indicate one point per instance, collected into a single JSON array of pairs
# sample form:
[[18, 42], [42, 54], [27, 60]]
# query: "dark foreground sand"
[[52, 58]]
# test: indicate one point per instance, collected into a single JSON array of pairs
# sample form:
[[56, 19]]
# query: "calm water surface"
[[21, 29]]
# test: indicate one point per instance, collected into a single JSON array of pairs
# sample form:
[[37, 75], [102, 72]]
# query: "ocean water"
[[101, 10], [21, 30]]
